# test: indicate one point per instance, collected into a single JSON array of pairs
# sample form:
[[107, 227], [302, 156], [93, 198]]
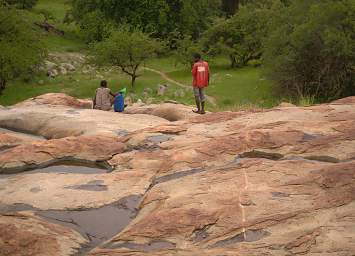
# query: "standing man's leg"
[[202, 99], [197, 99]]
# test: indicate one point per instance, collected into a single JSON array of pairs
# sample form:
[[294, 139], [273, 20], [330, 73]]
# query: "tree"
[[185, 49], [22, 4], [240, 37], [159, 18], [21, 50], [126, 49], [310, 50], [230, 7]]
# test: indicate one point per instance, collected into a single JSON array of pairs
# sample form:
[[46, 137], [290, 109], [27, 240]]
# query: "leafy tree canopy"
[[125, 49], [240, 37], [160, 18], [21, 50], [22, 4], [310, 49]]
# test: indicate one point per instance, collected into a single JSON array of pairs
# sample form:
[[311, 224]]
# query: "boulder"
[[162, 88], [168, 111], [57, 99], [52, 73], [68, 67], [25, 234], [256, 182]]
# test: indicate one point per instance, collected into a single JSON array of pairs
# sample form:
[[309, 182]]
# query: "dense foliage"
[[240, 37], [22, 4], [126, 49], [310, 49], [167, 19], [21, 50]]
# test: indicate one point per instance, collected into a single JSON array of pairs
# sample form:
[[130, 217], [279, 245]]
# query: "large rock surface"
[[264, 182]]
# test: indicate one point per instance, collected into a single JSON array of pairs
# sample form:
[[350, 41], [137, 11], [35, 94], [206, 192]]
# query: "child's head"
[[103, 83]]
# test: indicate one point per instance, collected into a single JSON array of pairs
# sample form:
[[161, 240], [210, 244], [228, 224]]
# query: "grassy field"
[[231, 88]]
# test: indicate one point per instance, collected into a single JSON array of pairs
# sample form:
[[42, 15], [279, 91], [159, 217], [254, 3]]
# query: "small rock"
[[50, 65], [52, 73], [286, 105], [41, 82], [162, 88], [62, 70], [68, 67]]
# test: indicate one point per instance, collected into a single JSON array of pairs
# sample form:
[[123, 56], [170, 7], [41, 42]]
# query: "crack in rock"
[[248, 236]]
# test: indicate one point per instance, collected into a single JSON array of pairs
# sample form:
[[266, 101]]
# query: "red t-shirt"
[[200, 73]]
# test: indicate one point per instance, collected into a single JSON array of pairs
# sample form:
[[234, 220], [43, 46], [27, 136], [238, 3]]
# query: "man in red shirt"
[[201, 79]]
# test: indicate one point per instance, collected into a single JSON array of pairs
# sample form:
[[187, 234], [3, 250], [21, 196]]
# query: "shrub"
[[310, 50]]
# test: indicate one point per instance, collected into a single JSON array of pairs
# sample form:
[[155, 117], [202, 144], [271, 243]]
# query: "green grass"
[[71, 41], [84, 86], [232, 88]]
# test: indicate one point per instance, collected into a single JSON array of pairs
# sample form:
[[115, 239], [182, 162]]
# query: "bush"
[[21, 50], [22, 4], [310, 51], [240, 37]]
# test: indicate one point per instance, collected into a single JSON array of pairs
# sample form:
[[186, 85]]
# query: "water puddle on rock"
[[63, 168], [22, 134], [96, 225], [150, 247], [72, 167]]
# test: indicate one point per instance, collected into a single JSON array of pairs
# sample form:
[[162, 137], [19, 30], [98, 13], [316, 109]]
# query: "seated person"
[[104, 98]]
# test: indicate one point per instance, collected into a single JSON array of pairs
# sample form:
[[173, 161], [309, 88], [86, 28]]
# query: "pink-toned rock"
[[258, 182], [57, 99], [24, 234], [43, 153]]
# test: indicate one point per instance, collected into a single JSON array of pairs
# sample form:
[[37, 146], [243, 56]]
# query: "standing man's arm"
[[208, 73], [194, 70]]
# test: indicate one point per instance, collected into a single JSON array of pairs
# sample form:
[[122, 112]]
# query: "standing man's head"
[[197, 57], [103, 84]]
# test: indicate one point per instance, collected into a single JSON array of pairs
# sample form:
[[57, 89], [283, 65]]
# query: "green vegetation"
[[119, 51], [260, 51], [22, 4], [21, 52], [160, 18], [310, 51], [230, 87]]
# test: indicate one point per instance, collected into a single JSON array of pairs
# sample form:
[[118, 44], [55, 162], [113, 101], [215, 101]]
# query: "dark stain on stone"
[[72, 167], [309, 137], [177, 175], [95, 185], [279, 194], [247, 237], [73, 112], [159, 138], [121, 132], [201, 234], [326, 159], [150, 247], [261, 154], [35, 190]]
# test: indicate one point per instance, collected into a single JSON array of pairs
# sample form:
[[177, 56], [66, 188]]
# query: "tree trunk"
[[133, 80], [233, 61], [2, 85], [230, 7]]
